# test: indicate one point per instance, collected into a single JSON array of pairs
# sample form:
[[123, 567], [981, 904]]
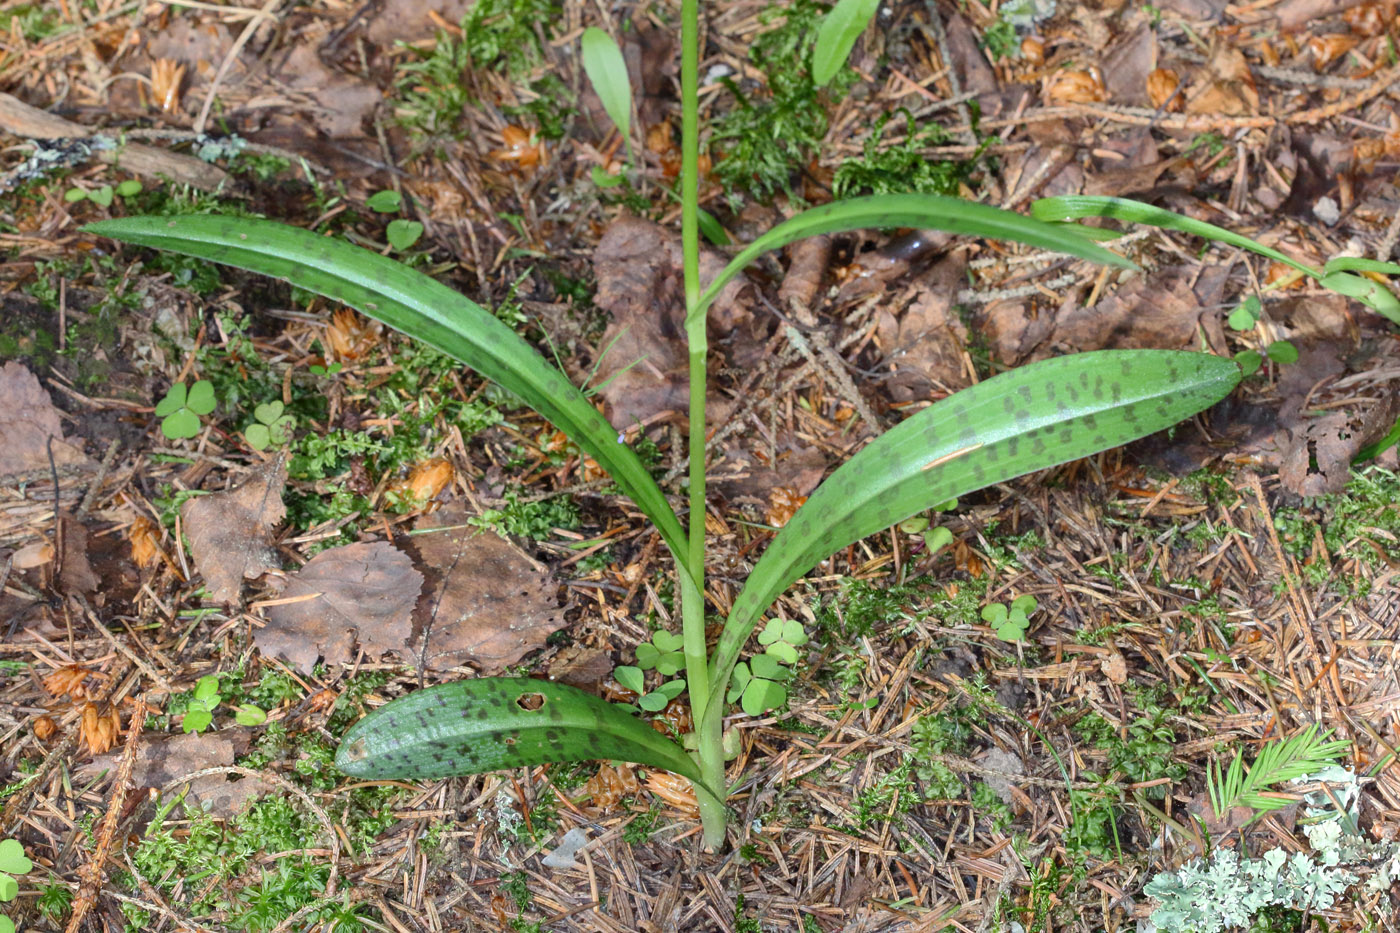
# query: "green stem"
[[697, 668]]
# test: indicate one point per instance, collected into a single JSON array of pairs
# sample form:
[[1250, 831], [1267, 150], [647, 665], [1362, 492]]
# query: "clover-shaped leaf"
[[783, 652], [13, 861], [631, 677], [658, 699], [250, 715], [768, 667], [102, 197], [182, 406], [762, 695], [1010, 624], [9, 890], [384, 202], [402, 234], [272, 426], [738, 681], [663, 652], [206, 689], [771, 633]]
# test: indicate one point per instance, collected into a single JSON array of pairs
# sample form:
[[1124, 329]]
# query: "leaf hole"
[[530, 701]]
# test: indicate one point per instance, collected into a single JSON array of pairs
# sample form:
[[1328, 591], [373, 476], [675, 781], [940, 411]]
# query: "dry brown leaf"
[[1318, 457], [230, 533], [162, 759], [1327, 49], [674, 790], [643, 367], [484, 603], [1159, 310], [358, 593], [27, 420], [75, 573], [1115, 667], [923, 342], [577, 666], [1127, 65], [1225, 87]]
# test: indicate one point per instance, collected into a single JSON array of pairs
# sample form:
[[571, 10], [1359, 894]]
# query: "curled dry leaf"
[[356, 594], [484, 604], [424, 482], [675, 718], [45, 728], [520, 146], [611, 784], [1033, 50], [1162, 87], [674, 790], [230, 533], [144, 535], [783, 503], [166, 76], [28, 420], [1367, 19], [74, 681], [349, 335], [100, 730], [1327, 49], [1075, 87]]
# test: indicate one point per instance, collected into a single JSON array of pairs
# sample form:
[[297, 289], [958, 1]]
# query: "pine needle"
[[1277, 762]]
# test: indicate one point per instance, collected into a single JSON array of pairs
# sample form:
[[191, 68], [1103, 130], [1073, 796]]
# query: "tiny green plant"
[[270, 427], [1277, 762], [199, 715], [179, 411], [1010, 623], [102, 196], [13, 862], [1027, 419], [400, 233]]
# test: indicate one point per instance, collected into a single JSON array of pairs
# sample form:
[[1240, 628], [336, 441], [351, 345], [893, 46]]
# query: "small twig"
[[90, 875]]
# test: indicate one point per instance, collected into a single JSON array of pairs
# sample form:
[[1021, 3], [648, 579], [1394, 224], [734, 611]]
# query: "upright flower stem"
[[697, 664]]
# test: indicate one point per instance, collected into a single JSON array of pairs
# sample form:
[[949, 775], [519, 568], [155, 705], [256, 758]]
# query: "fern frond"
[[1276, 762]]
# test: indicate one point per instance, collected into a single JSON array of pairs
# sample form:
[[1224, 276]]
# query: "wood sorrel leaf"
[[420, 307], [926, 211], [494, 723], [1028, 419]]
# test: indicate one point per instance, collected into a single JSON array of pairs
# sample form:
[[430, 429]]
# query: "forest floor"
[[181, 637]]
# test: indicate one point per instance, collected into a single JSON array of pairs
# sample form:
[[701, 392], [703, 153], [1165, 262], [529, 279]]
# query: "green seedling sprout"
[[1028, 419], [13, 862], [199, 715]]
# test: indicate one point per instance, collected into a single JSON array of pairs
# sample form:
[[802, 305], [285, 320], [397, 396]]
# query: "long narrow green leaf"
[[1028, 419], [1334, 276], [926, 211], [839, 31], [496, 723], [607, 72], [420, 307], [1079, 206]]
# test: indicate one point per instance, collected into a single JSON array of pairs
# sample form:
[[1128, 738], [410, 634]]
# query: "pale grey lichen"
[[1224, 891]]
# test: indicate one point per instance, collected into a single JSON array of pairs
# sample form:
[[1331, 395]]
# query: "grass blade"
[[839, 31], [1028, 419], [926, 211], [418, 306], [497, 723]]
